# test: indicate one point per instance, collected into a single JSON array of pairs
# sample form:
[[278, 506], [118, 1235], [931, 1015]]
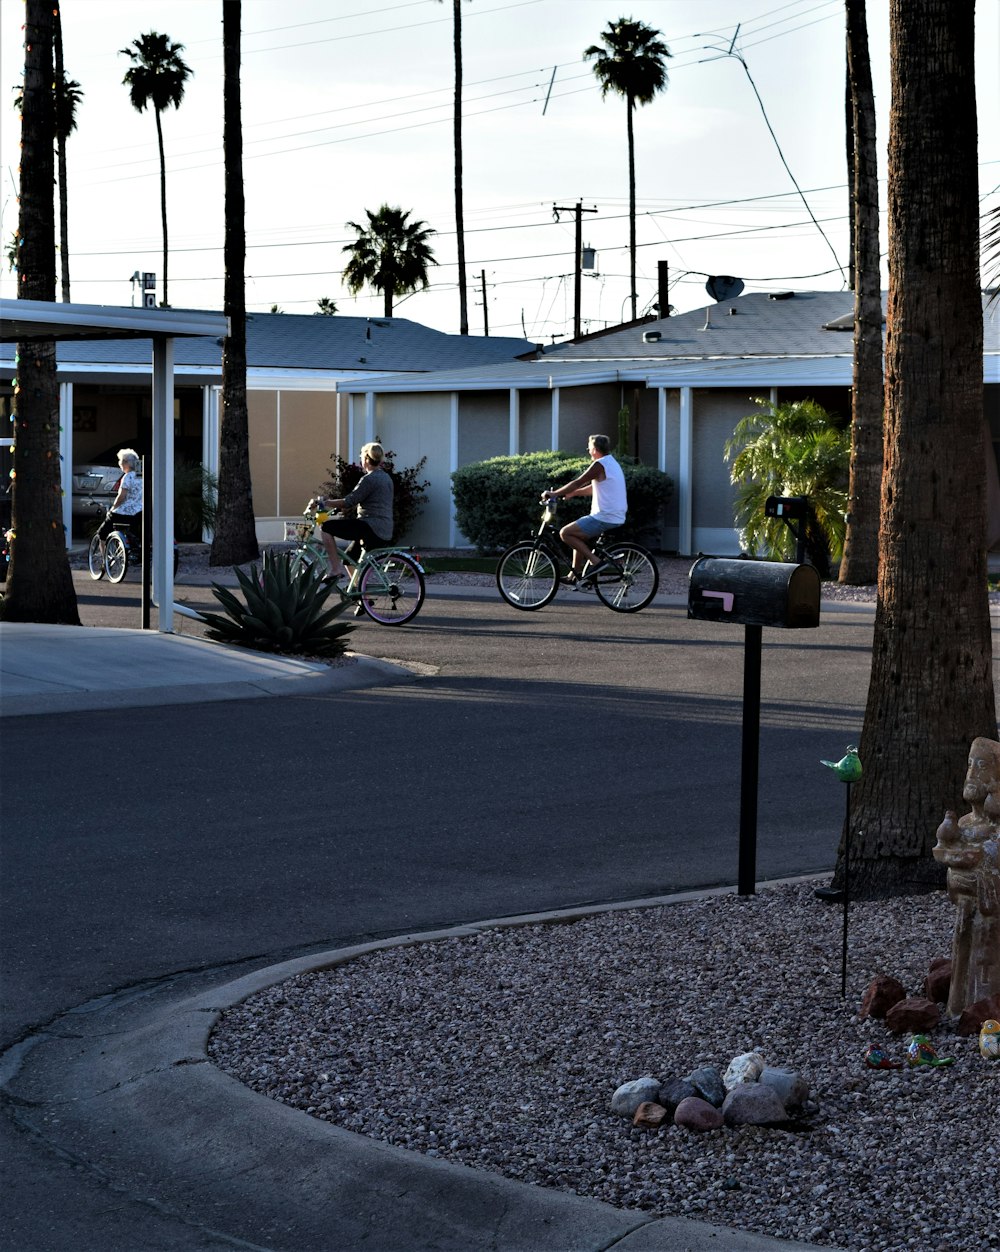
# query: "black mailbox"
[[753, 593]]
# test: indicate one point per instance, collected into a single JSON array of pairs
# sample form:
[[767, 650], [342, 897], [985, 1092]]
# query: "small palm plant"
[[285, 611], [791, 449]]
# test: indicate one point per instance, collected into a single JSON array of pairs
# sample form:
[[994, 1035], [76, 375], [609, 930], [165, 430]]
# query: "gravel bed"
[[501, 1052]]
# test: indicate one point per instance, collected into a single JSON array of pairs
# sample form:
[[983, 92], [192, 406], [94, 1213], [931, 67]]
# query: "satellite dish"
[[723, 286]]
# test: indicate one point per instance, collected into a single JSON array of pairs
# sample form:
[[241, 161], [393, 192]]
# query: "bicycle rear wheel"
[[527, 576], [392, 589], [633, 589], [116, 557], [95, 559]]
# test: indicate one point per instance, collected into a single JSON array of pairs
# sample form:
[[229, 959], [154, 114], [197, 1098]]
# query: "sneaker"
[[569, 580]]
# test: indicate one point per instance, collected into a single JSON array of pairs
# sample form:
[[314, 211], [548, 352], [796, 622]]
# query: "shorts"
[[593, 523], [357, 531]]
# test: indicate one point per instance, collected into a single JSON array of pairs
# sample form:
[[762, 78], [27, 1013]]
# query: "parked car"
[[94, 485]]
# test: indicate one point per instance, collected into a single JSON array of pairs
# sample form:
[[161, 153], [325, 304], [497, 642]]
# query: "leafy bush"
[[496, 501], [284, 612], [196, 494], [407, 489]]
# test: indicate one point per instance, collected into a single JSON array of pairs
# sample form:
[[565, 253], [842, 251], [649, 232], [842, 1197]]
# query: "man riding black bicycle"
[[604, 481]]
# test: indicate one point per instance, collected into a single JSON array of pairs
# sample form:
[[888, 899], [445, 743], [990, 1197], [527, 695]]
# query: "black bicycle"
[[121, 549], [528, 572]]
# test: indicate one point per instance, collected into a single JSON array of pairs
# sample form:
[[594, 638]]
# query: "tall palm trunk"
[[60, 81], [629, 108], [39, 582], [163, 201], [931, 690], [235, 537], [463, 309], [860, 562]]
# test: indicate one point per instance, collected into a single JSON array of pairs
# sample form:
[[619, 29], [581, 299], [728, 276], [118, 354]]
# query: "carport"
[[24, 320]]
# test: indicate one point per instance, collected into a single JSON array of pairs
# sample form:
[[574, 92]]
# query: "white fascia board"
[[113, 321], [546, 381]]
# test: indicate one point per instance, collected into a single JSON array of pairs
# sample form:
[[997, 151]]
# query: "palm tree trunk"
[[163, 201], [931, 690], [60, 81], [235, 539], [39, 582], [463, 309], [860, 561], [630, 106]]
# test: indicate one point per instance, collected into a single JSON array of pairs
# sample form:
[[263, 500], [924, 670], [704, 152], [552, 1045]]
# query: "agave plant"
[[283, 612]]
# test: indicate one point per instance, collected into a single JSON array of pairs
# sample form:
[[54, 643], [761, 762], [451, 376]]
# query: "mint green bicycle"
[[386, 583]]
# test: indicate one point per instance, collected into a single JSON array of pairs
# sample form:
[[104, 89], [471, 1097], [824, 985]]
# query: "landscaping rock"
[[937, 984], [914, 1014], [971, 1020], [673, 1091], [753, 1104], [791, 1088], [707, 1083], [742, 1069], [694, 1113], [630, 1095], [649, 1116], [882, 993]]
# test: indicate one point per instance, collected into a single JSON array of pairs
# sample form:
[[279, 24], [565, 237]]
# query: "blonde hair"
[[130, 455], [374, 452]]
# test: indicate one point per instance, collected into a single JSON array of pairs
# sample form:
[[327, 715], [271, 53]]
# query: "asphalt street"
[[536, 761]]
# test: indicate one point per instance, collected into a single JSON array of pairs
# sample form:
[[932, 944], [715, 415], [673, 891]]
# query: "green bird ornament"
[[848, 768]]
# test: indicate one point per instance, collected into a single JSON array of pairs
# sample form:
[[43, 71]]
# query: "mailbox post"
[[753, 594]]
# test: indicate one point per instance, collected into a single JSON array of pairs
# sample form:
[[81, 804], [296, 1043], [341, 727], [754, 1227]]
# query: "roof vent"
[[651, 336], [781, 295]]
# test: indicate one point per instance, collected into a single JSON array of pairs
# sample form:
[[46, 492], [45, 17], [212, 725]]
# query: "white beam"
[[685, 473], [452, 465], [66, 456], [163, 482]]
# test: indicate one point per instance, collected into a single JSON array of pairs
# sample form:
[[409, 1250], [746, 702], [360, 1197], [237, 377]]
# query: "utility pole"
[[486, 313], [578, 211]]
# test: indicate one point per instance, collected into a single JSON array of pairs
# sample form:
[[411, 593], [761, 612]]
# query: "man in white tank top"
[[604, 481]]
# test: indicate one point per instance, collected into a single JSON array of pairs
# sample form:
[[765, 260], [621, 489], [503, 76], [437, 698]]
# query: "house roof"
[[796, 339], [298, 342]]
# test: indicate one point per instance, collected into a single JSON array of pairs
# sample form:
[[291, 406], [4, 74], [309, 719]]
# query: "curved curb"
[[125, 1089]]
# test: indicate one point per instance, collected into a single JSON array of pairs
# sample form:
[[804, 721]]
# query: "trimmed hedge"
[[496, 501]]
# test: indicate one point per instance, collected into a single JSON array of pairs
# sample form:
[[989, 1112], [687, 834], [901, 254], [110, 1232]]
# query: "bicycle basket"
[[298, 532]]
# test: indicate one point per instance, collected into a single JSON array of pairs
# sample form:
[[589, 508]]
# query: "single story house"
[[687, 381]]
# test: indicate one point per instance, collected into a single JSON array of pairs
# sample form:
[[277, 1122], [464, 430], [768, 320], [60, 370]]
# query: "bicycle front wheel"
[[527, 576], [116, 557], [635, 586], [95, 559], [392, 589]]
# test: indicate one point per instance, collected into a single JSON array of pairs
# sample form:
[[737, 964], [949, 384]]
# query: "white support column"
[[685, 474], [554, 436], [369, 416], [66, 456], [163, 482], [277, 453], [452, 465], [210, 436], [350, 427], [514, 438], [661, 428]]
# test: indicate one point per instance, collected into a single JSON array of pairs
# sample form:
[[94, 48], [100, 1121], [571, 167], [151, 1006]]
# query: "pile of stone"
[[749, 1093], [887, 1000]]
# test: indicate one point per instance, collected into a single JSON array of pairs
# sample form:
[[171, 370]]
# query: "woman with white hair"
[[126, 507]]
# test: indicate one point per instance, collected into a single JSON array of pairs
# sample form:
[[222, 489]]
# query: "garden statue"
[[970, 848]]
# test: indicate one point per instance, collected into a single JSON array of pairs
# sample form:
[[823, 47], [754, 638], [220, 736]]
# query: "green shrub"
[[285, 612], [496, 501], [407, 490]]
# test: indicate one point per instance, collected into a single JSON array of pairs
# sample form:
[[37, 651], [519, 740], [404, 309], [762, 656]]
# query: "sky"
[[347, 105]]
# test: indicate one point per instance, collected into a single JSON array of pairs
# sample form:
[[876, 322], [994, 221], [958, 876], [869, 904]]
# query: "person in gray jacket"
[[372, 528]]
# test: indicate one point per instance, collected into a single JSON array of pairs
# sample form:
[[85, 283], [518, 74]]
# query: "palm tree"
[[790, 449], [39, 582], [157, 77], [68, 97], [325, 307], [860, 563], [234, 539], [391, 254], [931, 689], [630, 63]]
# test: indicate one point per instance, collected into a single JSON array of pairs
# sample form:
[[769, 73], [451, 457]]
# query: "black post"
[[847, 893], [747, 874], [146, 540]]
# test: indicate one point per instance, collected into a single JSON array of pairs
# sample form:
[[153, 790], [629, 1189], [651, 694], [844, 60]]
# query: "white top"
[[131, 485], [608, 493]]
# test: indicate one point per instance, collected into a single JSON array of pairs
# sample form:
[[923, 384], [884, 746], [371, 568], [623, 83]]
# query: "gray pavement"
[[125, 1084]]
